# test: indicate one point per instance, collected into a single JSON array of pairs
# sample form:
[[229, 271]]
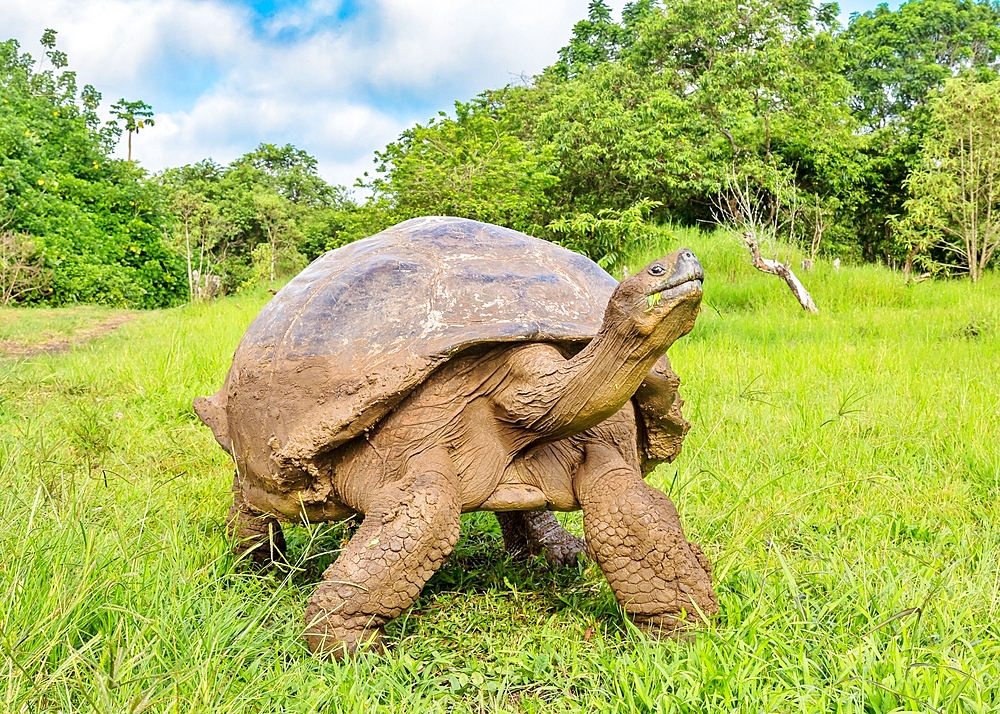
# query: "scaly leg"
[[635, 535], [255, 535], [527, 534], [410, 527]]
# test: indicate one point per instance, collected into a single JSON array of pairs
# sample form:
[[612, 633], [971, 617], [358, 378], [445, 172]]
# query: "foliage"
[[956, 189], [616, 136], [608, 234], [108, 233], [824, 476], [660, 106], [679, 94], [96, 221], [895, 60], [641, 120], [272, 195], [599, 39], [470, 166], [22, 268], [198, 230], [273, 214], [895, 57]]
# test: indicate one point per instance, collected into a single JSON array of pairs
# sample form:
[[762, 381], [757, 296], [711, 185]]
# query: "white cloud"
[[122, 43], [338, 89]]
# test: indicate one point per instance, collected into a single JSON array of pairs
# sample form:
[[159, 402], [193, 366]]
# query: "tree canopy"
[[659, 108], [652, 117], [96, 220]]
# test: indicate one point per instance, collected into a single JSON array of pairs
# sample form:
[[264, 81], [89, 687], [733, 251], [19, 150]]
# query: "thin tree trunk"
[[130, 146], [201, 260], [781, 270], [274, 253], [187, 246], [910, 257]]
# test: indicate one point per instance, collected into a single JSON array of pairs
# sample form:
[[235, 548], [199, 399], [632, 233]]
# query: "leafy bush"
[[606, 236], [471, 166], [22, 268], [96, 222]]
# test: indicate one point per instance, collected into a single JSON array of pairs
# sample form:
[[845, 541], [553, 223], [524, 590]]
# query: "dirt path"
[[61, 343]]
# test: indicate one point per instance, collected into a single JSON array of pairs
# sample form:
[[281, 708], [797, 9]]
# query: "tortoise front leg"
[[410, 527], [255, 535], [635, 535], [527, 534]]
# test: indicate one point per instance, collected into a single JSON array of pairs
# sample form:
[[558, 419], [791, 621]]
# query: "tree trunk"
[[781, 270], [274, 254], [129, 146], [187, 247], [908, 265]]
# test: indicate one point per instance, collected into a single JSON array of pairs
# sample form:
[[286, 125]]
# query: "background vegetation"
[[851, 136], [843, 474]]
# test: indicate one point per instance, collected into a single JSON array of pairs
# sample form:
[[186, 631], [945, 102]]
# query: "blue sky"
[[338, 78]]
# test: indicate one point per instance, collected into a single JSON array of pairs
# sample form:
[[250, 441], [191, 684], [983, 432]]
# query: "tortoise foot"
[[404, 538], [257, 539], [636, 537], [528, 534], [333, 637]]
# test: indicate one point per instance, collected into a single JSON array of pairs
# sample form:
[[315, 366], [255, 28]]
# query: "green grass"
[[843, 474], [27, 328]]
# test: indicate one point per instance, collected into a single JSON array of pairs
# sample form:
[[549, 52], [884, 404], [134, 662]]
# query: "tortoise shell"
[[362, 326]]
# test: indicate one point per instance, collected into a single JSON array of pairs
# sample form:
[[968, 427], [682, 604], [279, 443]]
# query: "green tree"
[[275, 216], [199, 228], [895, 60], [598, 38], [763, 76], [654, 111], [95, 221], [703, 88], [470, 166], [955, 202], [132, 116], [267, 212], [293, 173]]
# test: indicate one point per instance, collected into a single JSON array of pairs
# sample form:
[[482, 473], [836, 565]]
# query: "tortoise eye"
[[656, 270]]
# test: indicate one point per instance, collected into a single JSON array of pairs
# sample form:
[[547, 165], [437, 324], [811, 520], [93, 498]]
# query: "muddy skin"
[[516, 429], [527, 535]]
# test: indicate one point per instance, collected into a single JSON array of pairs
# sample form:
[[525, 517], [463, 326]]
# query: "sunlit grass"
[[843, 474], [27, 328]]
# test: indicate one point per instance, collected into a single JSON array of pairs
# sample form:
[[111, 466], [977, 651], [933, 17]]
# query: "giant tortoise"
[[444, 366]]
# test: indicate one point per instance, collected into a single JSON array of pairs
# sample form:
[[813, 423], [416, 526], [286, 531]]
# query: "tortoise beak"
[[686, 278]]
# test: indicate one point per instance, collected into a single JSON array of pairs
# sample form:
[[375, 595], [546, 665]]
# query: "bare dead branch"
[[781, 270], [22, 268], [742, 211]]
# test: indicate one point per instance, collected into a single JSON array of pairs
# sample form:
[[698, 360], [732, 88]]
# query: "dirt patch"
[[62, 343]]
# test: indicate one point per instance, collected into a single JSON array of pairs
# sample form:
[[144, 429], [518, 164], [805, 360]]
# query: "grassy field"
[[843, 474], [55, 329]]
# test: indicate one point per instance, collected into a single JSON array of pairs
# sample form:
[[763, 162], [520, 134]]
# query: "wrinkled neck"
[[605, 375]]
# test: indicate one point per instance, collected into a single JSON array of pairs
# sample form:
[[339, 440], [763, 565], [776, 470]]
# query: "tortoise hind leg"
[[636, 537], [527, 534], [409, 528], [256, 536]]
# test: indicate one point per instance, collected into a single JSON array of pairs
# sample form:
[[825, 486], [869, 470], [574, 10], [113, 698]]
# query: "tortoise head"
[[660, 302]]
